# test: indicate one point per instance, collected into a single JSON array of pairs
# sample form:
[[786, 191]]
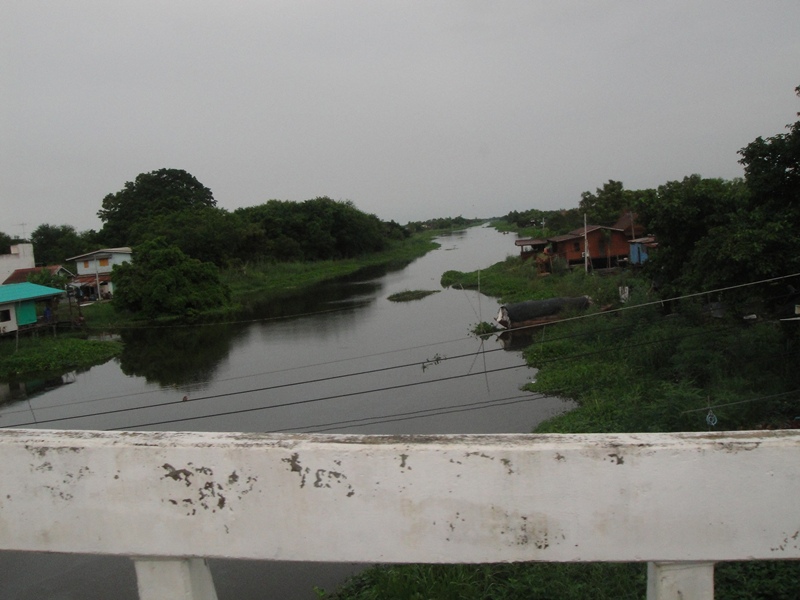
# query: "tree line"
[[711, 232]]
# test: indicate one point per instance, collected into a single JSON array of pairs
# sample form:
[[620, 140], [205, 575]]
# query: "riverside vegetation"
[[47, 353], [641, 367]]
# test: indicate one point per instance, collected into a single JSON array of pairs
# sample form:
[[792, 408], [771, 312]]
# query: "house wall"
[[101, 264], [638, 254], [616, 246], [8, 318], [26, 312], [21, 257]]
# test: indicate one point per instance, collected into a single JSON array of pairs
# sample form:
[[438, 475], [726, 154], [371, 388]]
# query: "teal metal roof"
[[16, 292]]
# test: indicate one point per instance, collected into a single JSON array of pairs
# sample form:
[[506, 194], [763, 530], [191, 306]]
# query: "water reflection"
[[27, 388], [268, 373], [182, 356]]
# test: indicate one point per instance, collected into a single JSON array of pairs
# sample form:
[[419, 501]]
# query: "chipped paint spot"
[[789, 541], [618, 458], [403, 459], [480, 455], [177, 474], [204, 491]]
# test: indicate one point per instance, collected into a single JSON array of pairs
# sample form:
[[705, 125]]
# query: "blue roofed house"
[[18, 304]]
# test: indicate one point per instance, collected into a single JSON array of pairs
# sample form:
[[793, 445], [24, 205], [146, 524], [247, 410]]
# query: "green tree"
[[606, 205], [53, 244], [714, 233], [318, 229], [766, 232], [46, 278], [691, 219], [6, 241], [161, 281], [209, 234], [150, 195]]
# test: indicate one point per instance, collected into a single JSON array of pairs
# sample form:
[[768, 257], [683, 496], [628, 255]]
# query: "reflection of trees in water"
[[176, 356], [19, 389], [318, 299]]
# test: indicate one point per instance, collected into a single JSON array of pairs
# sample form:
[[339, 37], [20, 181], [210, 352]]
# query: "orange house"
[[607, 246]]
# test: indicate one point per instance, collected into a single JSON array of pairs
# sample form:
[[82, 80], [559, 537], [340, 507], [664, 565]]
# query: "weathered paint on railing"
[[686, 497]]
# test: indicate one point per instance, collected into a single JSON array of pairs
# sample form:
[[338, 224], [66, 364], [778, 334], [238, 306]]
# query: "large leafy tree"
[[714, 233], [606, 205], [691, 219], [769, 227], [161, 281], [6, 241], [53, 244], [126, 213], [317, 229], [209, 234]]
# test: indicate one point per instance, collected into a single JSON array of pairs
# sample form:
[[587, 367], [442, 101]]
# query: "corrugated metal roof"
[[590, 228], [91, 279], [530, 242], [122, 250], [15, 292]]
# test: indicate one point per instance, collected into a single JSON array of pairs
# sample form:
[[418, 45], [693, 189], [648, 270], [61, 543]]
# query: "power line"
[[659, 302], [580, 355], [252, 409], [404, 416], [758, 399], [309, 400], [279, 386]]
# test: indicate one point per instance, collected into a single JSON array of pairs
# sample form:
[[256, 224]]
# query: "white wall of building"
[[21, 257]]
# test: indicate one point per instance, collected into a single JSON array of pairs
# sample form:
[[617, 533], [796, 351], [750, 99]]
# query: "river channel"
[[340, 359]]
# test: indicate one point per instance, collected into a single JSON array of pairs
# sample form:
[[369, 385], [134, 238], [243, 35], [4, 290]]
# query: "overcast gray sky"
[[412, 109]]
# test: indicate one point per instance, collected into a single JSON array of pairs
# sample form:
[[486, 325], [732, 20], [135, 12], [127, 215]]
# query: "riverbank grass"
[[267, 280]]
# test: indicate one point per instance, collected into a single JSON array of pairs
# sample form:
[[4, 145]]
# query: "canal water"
[[341, 359]]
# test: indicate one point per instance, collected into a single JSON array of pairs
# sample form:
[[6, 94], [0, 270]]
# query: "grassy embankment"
[[277, 280], [639, 369], [47, 353]]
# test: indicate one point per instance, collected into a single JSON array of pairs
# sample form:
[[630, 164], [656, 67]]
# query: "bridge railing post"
[[174, 579], [680, 580]]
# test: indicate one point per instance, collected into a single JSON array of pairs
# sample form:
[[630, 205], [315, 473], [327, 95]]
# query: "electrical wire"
[[306, 401], [339, 396], [758, 399], [410, 415], [580, 355], [278, 371]]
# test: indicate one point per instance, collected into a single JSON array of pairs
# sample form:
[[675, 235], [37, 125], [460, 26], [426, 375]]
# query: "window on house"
[[576, 246], [103, 262], [5, 316], [86, 264]]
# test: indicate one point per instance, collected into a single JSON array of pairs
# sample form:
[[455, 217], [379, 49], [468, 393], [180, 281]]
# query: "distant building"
[[640, 250], [607, 246], [94, 271], [628, 223], [20, 257], [530, 247]]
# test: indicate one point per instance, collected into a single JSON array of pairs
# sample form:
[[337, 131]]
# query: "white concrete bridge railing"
[[170, 500]]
